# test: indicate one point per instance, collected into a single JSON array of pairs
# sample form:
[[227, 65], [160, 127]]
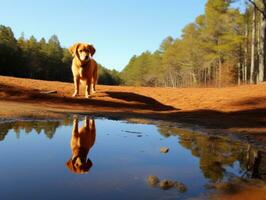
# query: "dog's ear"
[[70, 165], [73, 49], [87, 165], [91, 49]]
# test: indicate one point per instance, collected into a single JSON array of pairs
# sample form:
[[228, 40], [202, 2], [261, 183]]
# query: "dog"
[[82, 140], [84, 68]]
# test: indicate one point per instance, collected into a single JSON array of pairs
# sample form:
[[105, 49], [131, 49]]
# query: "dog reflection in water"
[[82, 141]]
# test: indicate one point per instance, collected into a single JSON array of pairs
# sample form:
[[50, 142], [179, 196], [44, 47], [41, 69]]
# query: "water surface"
[[108, 159]]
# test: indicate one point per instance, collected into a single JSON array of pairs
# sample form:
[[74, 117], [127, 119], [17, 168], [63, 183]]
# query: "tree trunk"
[[220, 72], [261, 70], [244, 76], [172, 79], [253, 46], [259, 57], [205, 76], [262, 46], [238, 73]]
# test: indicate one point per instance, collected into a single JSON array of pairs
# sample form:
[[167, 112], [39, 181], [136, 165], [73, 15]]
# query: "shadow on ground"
[[123, 99]]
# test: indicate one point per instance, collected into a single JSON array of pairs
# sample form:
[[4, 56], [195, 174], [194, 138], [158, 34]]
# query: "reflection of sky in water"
[[123, 155], [234, 169]]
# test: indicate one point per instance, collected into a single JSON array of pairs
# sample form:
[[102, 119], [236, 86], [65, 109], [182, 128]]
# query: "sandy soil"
[[234, 109]]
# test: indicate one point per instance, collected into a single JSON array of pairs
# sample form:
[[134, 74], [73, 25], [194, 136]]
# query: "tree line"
[[45, 60], [224, 46]]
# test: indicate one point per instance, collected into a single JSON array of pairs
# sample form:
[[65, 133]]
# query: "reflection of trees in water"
[[216, 153], [255, 163], [4, 128], [48, 127]]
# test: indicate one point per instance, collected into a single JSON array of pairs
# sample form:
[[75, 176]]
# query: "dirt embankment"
[[237, 109]]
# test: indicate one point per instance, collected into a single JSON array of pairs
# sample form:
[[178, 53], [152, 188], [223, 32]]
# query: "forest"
[[45, 60], [224, 46]]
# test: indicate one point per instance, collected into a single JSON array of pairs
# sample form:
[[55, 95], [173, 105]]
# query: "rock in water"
[[166, 184], [180, 187], [153, 180], [164, 149]]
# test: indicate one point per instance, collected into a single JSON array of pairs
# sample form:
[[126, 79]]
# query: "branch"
[[257, 8]]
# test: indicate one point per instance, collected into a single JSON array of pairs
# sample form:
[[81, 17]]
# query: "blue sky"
[[118, 29]]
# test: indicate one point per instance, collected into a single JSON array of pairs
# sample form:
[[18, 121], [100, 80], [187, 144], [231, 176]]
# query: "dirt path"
[[235, 109]]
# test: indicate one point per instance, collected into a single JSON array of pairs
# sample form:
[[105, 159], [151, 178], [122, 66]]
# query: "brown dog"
[[82, 141], [84, 68]]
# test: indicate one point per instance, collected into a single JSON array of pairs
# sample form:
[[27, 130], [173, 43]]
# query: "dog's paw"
[[75, 95]]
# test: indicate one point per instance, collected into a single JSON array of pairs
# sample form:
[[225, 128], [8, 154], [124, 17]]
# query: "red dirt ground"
[[236, 109]]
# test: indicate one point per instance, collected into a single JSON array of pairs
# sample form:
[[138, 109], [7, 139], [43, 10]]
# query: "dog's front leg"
[[93, 91], [76, 85], [89, 122]]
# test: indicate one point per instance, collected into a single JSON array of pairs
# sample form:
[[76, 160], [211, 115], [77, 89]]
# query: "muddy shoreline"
[[33, 113]]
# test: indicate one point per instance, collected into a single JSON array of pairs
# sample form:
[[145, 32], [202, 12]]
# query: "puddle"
[[107, 159]]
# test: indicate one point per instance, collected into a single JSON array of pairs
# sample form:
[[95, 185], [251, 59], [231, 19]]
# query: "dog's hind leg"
[[88, 89], [94, 80], [93, 91]]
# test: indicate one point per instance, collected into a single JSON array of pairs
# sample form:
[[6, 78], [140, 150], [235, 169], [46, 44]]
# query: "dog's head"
[[82, 51], [79, 165]]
